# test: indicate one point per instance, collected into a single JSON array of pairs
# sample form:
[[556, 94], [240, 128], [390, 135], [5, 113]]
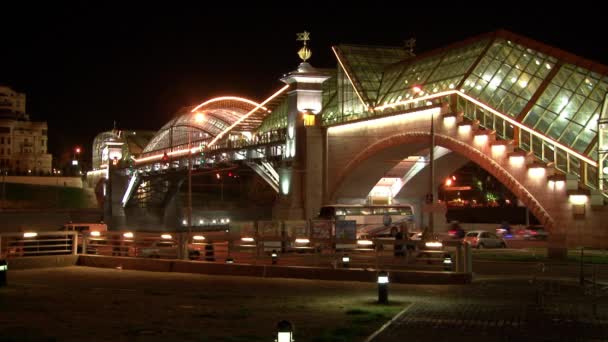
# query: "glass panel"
[[557, 128], [575, 166], [537, 147], [524, 140], [583, 140], [548, 151], [570, 134], [562, 162]]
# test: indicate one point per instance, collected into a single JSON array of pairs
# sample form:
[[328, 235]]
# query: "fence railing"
[[299, 243], [544, 148], [38, 243]]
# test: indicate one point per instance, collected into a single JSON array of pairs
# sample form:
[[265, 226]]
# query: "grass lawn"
[[41, 196], [72, 303]]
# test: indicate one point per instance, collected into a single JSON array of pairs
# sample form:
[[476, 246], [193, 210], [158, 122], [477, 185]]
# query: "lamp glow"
[[578, 199], [433, 244], [302, 240], [365, 242], [498, 149], [247, 239], [463, 129], [30, 234], [536, 172], [198, 237], [128, 235], [166, 236], [95, 233], [516, 160], [481, 139], [449, 121]]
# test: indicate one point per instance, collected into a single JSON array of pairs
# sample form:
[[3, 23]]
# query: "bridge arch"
[[421, 138], [218, 116]]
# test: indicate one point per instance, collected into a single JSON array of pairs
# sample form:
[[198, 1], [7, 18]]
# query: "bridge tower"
[[301, 173], [116, 182]]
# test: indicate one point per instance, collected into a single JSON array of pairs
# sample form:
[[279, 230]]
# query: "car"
[[482, 239], [533, 232], [166, 249]]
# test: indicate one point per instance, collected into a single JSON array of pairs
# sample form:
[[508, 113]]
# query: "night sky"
[[84, 66]]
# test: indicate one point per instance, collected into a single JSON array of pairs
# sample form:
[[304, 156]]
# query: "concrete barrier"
[[42, 262], [273, 271]]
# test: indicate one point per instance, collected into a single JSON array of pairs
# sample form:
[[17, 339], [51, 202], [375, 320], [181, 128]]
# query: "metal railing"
[[24, 244], [299, 244], [564, 159]]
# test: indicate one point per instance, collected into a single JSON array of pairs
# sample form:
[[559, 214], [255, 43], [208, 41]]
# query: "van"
[[85, 227]]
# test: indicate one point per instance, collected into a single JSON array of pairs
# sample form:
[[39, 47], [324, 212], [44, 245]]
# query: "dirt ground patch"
[[82, 303]]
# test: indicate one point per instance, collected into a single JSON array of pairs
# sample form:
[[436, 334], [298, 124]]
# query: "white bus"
[[372, 220]]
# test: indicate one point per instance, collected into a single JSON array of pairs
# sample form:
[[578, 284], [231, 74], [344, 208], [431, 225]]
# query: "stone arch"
[[473, 154]]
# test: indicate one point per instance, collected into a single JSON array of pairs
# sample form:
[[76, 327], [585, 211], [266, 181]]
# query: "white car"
[[483, 239]]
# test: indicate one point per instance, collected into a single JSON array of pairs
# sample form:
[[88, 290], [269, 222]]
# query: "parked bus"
[[372, 220]]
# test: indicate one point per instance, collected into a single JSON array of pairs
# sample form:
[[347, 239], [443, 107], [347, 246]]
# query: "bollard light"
[[284, 332], [229, 261], [447, 262], [345, 261], [383, 287], [3, 270], [275, 256]]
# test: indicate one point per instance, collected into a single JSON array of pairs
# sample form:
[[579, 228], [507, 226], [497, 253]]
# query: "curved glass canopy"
[[194, 125]]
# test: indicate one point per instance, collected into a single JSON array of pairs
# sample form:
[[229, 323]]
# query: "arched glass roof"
[[208, 120]]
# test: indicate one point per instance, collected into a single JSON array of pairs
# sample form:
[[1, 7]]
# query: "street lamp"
[[198, 118]]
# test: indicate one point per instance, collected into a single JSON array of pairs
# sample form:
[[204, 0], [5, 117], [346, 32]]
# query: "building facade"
[[23, 143]]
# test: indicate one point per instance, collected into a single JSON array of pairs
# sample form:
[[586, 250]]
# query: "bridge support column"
[[301, 177], [114, 214]]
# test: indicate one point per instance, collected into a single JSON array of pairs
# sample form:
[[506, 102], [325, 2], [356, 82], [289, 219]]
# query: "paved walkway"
[[509, 310]]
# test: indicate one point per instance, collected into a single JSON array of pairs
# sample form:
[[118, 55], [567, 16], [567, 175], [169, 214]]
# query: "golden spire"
[[304, 52]]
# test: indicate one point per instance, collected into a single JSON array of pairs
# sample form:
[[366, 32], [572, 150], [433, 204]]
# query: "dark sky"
[[83, 66]]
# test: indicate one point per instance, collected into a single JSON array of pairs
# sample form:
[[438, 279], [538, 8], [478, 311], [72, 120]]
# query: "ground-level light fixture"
[[447, 262], [128, 235], [229, 261], [383, 287], [275, 256], [3, 271], [284, 332], [95, 233], [345, 261], [247, 239], [166, 236], [30, 234]]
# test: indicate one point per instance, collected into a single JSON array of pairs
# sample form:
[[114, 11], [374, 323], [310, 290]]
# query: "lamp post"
[[198, 118]]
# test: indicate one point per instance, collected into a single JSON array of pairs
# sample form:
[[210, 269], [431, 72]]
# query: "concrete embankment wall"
[[352, 274], [72, 182]]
